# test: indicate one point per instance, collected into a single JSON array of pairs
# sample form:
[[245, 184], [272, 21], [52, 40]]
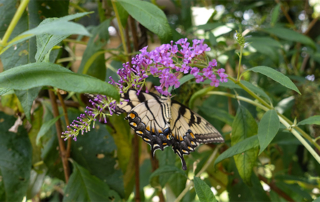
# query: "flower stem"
[[13, 23], [282, 120], [239, 65], [120, 27]]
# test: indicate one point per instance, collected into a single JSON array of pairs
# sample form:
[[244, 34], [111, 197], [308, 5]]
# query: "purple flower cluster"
[[82, 123], [167, 62]]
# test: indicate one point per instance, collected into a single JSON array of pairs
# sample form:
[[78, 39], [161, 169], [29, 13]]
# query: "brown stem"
[[285, 13], [155, 166], [274, 188], [128, 43], [136, 166], [312, 23], [67, 122], [62, 148], [134, 33], [136, 138]]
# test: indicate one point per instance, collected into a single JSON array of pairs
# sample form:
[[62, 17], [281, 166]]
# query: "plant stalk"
[[64, 108], [62, 148], [13, 23], [120, 27]]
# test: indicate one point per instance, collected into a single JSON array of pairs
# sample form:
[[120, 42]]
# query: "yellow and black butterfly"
[[163, 122]]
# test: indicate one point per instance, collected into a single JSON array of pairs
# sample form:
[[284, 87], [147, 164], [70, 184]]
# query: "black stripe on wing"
[[151, 135], [130, 99]]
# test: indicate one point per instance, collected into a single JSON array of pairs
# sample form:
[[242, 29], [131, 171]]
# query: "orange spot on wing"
[[168, 137], [181, 138], [192, 135], [164, 143], [132, 115], [153, 130], [159, 130], [148, 128]]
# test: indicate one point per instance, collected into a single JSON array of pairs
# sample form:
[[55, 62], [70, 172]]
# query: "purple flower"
[[214, 82], [153, 70], [194, 71], [223, 77], [184, 68], [220, 71], [213, 63], [199, 78]]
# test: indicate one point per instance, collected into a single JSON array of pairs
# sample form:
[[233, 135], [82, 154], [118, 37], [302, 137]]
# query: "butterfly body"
[[163, 122]]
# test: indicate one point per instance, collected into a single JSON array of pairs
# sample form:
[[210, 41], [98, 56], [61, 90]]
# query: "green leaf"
[[290, 35], [203, 190], [240, 147], [166, 158], [177, 184], [6, 91], [93, 62], [45, 127], [311, 120], [150, 16], [26, 98], [83, 186], [48, 74], [15, 161], [244, 126], [265, 45], [275, 14], [167, 169], [240, 191], [45, 42], [217, 113], [264, 41], [268, 128], [95, 152], [57, 26], [256, 90], [276, 76]]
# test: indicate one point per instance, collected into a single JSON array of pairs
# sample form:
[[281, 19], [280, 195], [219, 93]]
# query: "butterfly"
[[162, 122]]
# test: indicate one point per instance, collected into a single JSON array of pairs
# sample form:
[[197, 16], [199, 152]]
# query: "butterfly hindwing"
[[188, 130], [147, 116]]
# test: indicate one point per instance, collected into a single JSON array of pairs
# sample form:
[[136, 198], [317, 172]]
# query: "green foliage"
[[277, 76], [85, 187], [15, 161], [45, 74], [243, 127], [149, 16], [203, 190], [268, 128]]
